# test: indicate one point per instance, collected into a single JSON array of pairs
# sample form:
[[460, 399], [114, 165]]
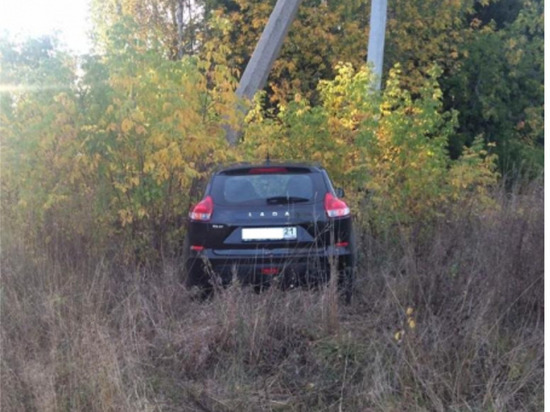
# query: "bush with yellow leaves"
[[391, 145], [116, 161]]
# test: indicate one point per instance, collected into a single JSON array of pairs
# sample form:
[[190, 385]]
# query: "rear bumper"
[[294, 265]]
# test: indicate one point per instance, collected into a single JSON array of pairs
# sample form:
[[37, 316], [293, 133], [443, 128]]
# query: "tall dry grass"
[[449, 321]]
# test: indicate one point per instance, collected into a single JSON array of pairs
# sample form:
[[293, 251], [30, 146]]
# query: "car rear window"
[[267, 188]]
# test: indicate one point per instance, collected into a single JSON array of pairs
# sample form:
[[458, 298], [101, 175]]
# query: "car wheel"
[[195, 273], [347, 274], [347, 283]]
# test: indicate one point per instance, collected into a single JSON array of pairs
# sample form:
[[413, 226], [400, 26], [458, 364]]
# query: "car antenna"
[[267, 161]]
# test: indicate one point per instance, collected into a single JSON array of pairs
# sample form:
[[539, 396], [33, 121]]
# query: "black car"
[[271, 221]]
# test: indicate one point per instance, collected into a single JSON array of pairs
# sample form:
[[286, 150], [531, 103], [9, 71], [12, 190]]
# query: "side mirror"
[[339, 192]]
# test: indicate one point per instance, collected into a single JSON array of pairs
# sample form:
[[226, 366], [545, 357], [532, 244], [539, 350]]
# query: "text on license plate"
[[269, 233]]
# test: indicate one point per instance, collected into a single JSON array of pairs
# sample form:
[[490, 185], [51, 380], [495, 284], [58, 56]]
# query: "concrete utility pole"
[[267, 50], [375, 54]]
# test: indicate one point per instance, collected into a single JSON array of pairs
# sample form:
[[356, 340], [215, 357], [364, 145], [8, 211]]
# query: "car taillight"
[[335, 207], [202, 210]]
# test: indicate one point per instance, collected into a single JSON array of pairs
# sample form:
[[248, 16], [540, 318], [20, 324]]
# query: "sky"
[[35, 18]]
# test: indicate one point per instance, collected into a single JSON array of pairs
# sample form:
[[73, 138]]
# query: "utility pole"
[[179, 21], [377, 35], [267, 50]]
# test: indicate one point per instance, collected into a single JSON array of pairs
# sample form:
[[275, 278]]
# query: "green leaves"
[[499, 91]]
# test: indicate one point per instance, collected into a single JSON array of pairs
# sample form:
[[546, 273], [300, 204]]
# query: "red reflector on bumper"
[[197, 248], [269, 271]]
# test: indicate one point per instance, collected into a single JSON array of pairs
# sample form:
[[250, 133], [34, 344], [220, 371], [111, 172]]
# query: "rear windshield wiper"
[[286, 199]]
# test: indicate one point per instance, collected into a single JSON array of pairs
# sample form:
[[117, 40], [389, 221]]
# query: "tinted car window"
[[261, 188]]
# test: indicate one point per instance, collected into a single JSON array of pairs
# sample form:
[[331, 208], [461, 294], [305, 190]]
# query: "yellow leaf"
[[125, 216], [142, 213], [148, 166], [399, 335], [126, 125]]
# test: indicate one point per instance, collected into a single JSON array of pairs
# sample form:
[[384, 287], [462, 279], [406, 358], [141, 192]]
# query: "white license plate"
[[269, 233]]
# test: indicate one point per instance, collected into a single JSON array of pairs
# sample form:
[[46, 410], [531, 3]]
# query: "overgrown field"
[[448, 317], [102, 155]]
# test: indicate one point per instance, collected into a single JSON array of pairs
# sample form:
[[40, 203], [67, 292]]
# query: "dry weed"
[[449, 321]]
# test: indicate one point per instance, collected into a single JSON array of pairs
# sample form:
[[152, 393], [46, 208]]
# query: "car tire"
[[347, 284], [346, 280], [195, 273]]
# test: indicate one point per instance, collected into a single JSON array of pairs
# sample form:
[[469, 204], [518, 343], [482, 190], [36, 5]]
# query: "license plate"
[[269, 233]]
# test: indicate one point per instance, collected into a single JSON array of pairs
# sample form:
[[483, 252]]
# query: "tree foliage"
[[121, 149], [499, 90], [393, 146], [490, 53], [322, 34], [177, 25], [116, 147]]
